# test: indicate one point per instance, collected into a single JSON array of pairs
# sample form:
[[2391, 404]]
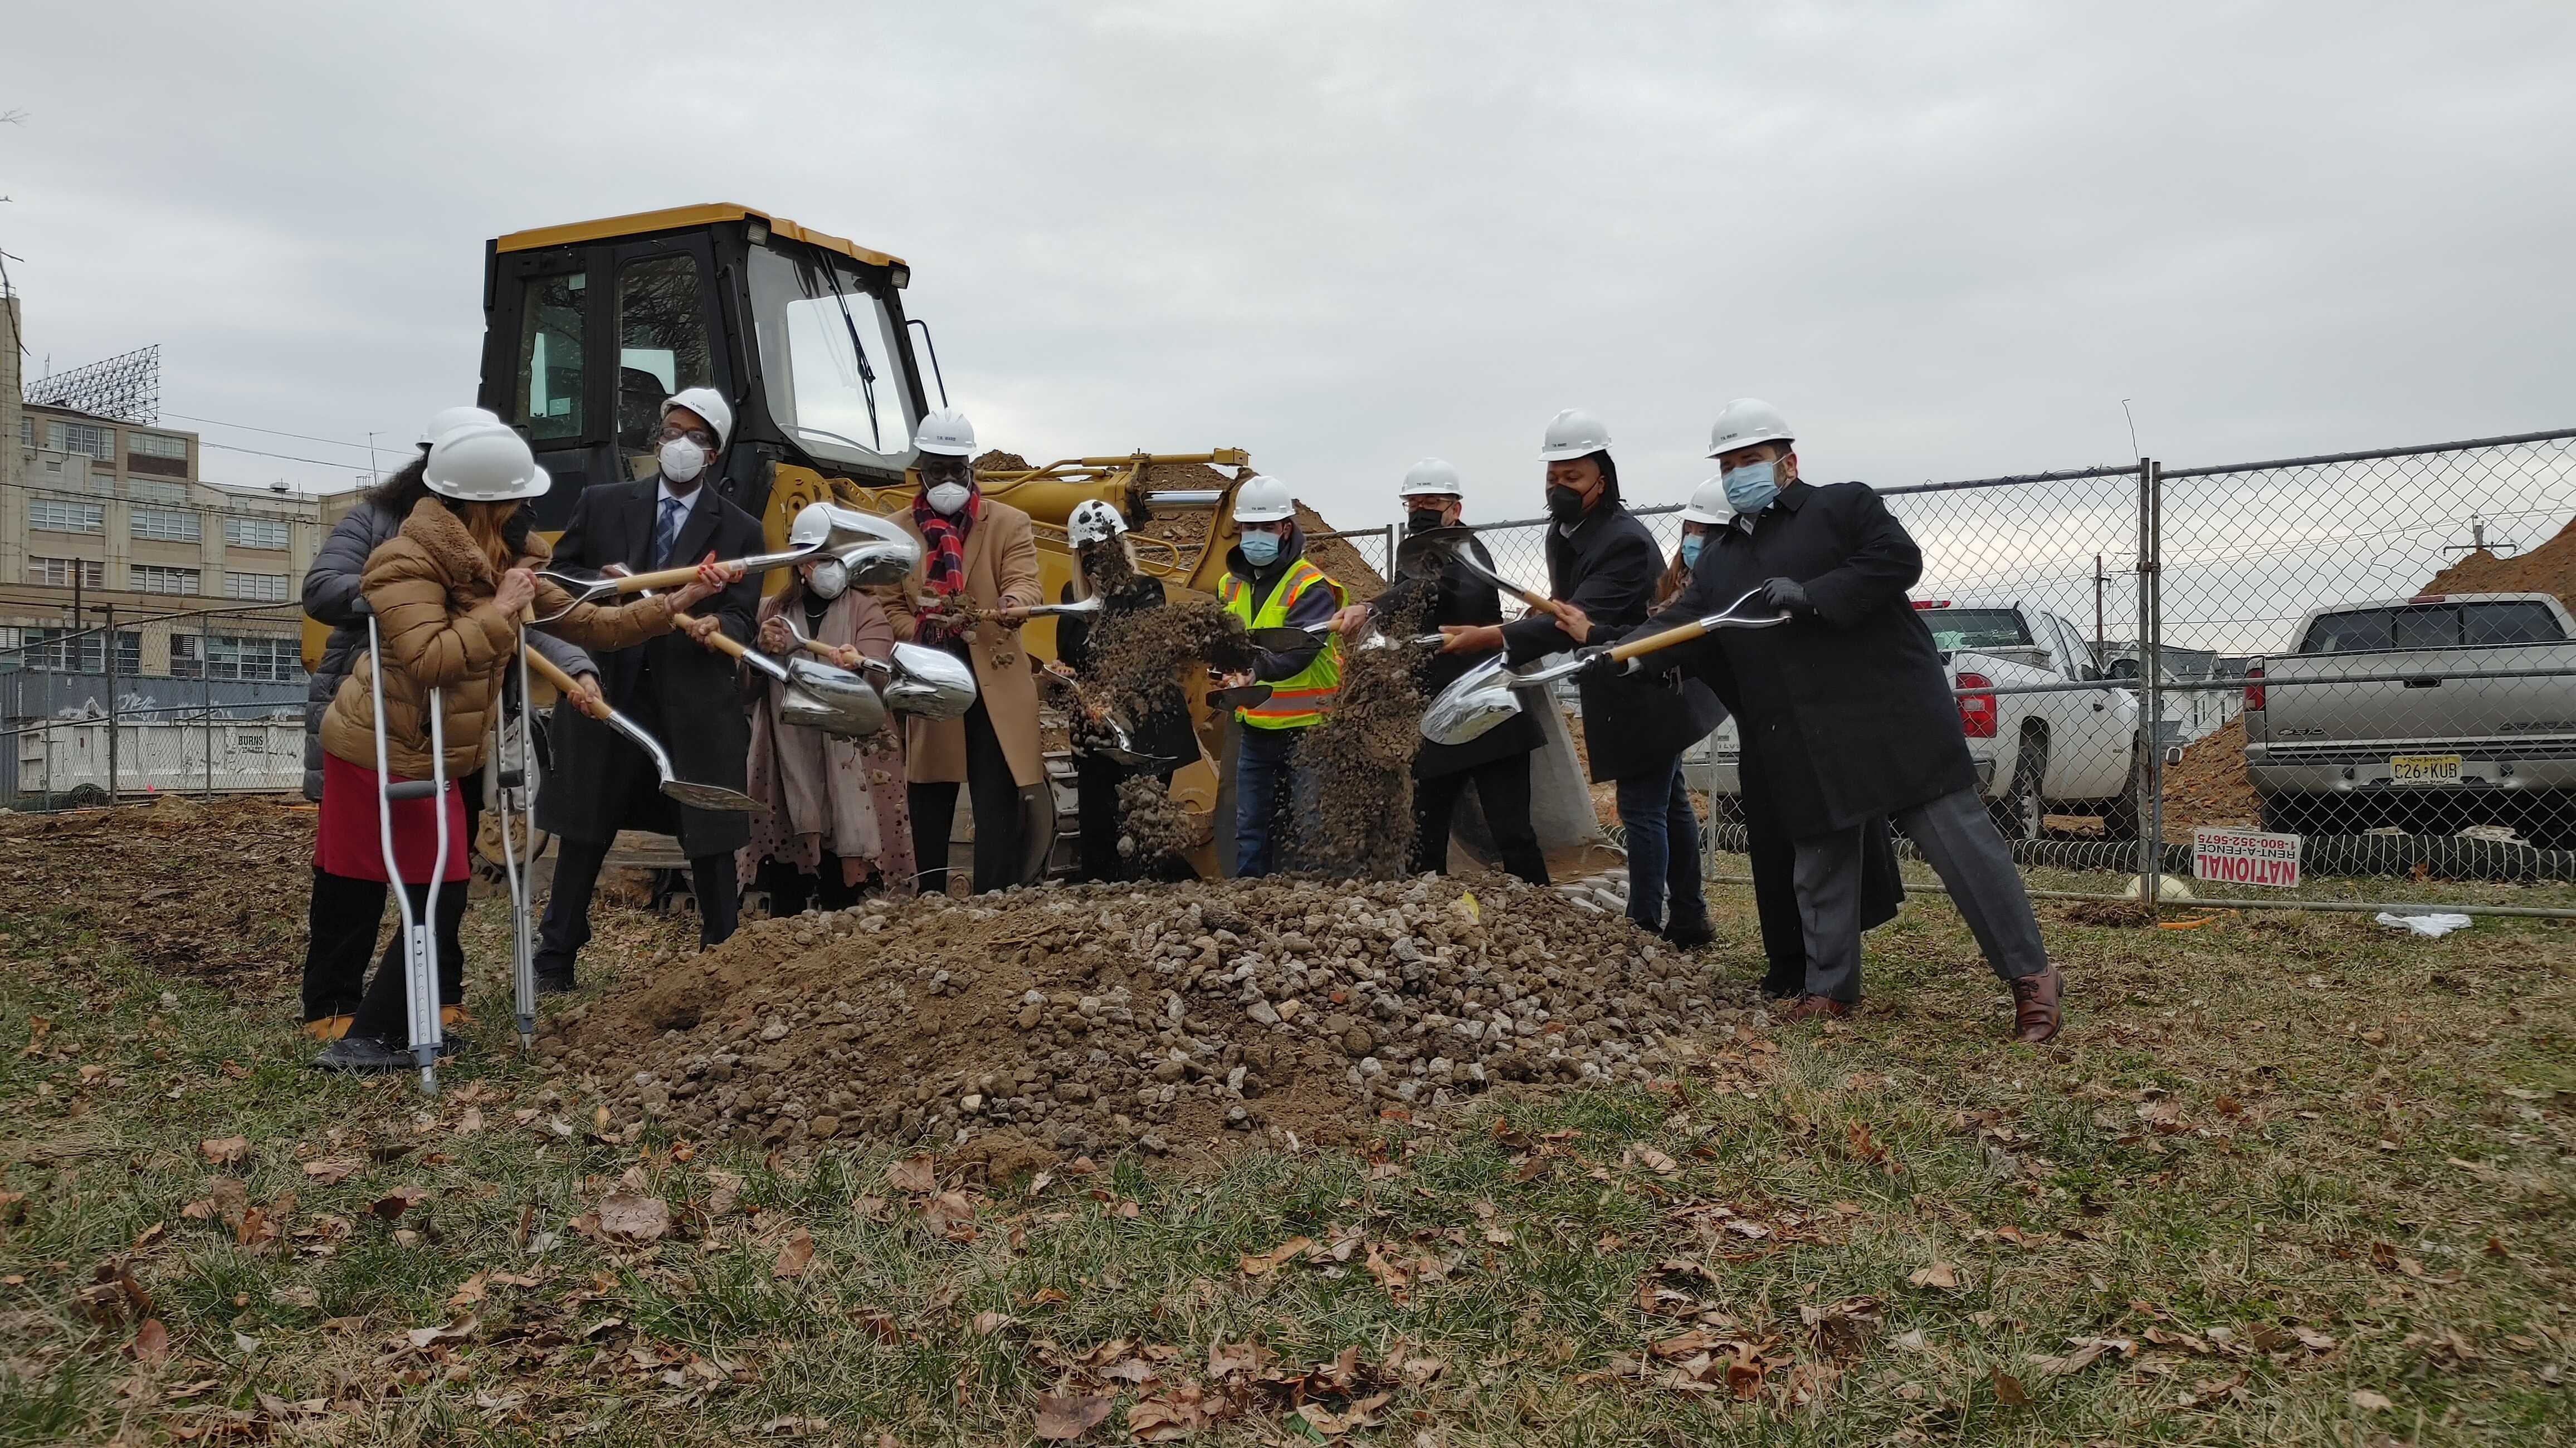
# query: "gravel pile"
[[1181, 1018]]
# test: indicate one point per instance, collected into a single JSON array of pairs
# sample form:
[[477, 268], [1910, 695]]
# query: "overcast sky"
[[1946, 239]]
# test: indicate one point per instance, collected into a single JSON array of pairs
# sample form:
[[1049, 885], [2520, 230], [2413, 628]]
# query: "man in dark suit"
[[1846, 712], [680, 691]]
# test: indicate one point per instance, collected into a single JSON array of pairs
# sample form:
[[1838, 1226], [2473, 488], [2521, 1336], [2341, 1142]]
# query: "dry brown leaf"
[[332, 1170], [2009, 1391], [1652, 1160], [225, 1150], [151, 1342], [633, 1219], [470, 1291], [1257, 1263], [2370, 1402], [795, 1257], [1063, 1417], [457, 1331], [398, 1201], [987, 1323], [913, 1174], [1227, 1359], [1940, 1275]]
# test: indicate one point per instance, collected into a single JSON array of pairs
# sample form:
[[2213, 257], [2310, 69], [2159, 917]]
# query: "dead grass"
[[2287, 1179]]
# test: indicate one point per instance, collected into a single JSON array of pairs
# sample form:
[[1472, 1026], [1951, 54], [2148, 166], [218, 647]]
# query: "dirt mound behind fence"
[[1178, 1018], [189, 887]]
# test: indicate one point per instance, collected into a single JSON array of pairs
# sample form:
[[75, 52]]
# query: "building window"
[[255, 532], [144, 578], [63, 572], [256, 660], [67, 651], [150, 452], [26, 431], [82, 437], [53, 515], [144, 490], [169, 527], [259, 587]]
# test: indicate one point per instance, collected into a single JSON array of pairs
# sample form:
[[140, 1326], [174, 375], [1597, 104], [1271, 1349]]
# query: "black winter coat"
[[684, 694], [1846, 712], [1163, 731], [1456, 596], [1633, 724], [332, 596]]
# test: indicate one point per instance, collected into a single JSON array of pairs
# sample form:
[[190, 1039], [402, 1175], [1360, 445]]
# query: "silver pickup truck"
[[2368, 724]]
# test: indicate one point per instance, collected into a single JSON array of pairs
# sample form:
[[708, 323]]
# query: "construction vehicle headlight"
[[902, 277]]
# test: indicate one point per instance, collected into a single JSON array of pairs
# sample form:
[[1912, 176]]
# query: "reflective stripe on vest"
[[1305, 696]]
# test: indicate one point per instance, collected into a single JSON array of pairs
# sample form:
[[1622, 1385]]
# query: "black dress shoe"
[[1689, 932], [1784, 981], [362, 1056], [554, 982]]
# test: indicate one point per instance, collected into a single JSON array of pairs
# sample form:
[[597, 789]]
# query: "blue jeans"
[[1663, 846], [1266, 779]]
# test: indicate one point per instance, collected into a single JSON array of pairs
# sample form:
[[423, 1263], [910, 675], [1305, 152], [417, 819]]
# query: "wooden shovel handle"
[[663, 578], [1664, 640], [564, 684], [720, 641], [1539, 601]]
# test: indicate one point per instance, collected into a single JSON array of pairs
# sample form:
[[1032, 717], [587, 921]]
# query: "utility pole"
[[109, 610], [2100, 647]]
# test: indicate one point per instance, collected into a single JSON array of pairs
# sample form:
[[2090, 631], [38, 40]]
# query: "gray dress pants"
[[1958, 839]]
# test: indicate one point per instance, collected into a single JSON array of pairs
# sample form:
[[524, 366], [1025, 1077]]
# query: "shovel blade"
[[1474, 704], [710, 796]]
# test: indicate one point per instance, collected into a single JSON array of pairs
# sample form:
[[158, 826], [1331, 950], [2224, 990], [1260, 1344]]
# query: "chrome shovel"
[[1484, 697]]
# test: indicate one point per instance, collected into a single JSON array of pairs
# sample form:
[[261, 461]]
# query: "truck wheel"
[[86, 796], [2123, 817], [2022, 814]]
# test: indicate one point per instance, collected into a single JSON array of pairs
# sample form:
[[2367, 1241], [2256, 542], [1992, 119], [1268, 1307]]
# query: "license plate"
[[2424, 769]]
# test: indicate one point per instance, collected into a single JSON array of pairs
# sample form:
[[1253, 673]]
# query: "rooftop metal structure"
[[126, 387]]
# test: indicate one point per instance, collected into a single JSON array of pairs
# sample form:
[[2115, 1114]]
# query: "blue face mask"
[[1690, 549], [1752, 487], [1261, 549]]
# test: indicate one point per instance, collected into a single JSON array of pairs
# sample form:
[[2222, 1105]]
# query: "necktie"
[[666, 534]]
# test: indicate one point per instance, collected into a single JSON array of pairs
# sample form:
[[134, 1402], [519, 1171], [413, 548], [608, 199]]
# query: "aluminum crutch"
[[517, 796], [419, 929]]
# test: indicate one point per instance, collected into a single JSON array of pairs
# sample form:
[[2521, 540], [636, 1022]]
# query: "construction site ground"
[[2285, 1179]]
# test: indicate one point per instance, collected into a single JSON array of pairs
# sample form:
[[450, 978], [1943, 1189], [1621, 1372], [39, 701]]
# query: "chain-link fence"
[[2345, 681]]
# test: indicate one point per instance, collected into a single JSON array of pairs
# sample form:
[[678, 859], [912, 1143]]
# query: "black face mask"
[[1564, 504], [1422, 520]]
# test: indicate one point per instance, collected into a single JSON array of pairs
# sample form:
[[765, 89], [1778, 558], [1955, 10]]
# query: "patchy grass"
[[2286, 1180]]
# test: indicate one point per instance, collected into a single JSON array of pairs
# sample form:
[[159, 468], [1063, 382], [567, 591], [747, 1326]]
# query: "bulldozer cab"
[[589, 326]]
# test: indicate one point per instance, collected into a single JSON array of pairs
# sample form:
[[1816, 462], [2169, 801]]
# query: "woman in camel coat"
[[448, 592]]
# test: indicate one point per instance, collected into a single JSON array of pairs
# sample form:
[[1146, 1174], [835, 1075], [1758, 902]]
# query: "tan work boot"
[[327, 1028]]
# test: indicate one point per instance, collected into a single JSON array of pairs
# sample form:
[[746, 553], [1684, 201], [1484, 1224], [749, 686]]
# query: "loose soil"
[[186, 887], [2549, 568], [1188, 1019], [2209, 786], [1362, 758]]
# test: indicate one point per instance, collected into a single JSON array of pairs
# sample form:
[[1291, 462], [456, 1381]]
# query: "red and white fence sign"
[[2245, 857]]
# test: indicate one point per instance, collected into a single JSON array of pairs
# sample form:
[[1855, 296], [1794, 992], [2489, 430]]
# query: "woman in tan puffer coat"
[[449, 593]]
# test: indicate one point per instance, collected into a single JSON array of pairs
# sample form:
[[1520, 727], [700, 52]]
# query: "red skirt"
[[345, 839]]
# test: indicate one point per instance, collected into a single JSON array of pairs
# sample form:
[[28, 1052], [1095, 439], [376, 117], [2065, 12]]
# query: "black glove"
[[1598, 666], [1787, 594]]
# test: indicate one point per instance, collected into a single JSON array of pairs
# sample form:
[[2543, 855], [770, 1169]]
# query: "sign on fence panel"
[[2245, 857]]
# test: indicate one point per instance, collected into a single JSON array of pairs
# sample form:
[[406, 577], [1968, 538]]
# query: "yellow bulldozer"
[[588, 326]]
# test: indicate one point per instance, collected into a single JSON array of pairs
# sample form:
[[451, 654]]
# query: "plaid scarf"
[[944, 569]]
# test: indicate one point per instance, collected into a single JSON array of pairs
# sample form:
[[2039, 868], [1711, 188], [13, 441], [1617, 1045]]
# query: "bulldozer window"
[[550, 362], [826, 351], [661, 342]]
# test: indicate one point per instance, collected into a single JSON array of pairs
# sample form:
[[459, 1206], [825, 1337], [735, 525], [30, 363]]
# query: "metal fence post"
[[206, 678], [109, 609], [2150, 849], [1390, 563]]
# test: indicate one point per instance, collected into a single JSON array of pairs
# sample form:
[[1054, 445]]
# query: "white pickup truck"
[[2366, 722], [2070, 753]]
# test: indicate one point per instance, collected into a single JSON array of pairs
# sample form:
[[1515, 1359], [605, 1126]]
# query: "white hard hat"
[[449, 419], [947, 433], [1746, 421], [1263, 499], [1709, 504], [1431, 478], [707, 403], [1574, 433], [1092, 520], [484, 463]]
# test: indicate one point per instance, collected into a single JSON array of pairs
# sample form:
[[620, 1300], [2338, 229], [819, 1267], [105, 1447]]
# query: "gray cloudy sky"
[[1945, 238]]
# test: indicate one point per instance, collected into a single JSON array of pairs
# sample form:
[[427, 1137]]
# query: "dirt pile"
[[1362, 756], [1090, 1018], [2549, 568], [1156, 829], [2209, 786], [213, 889]]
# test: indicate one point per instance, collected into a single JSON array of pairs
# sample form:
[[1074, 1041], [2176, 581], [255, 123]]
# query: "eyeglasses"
[[698, 435]]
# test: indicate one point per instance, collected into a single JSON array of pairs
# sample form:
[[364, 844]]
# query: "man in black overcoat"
[[1846, 711], [680, 691]]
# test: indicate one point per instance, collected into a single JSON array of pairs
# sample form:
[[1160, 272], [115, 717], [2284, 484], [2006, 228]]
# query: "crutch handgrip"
[[411, 789], [562, 681]]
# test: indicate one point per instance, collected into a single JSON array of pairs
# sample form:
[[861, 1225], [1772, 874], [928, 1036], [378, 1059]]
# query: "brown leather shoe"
[[1816, 1007], [2036, 1012]]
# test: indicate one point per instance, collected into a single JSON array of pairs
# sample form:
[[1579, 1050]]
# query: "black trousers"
[[384, 1015], [791, 890], [567, 924], [1503, 789], [995, 798], [341, 923]]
